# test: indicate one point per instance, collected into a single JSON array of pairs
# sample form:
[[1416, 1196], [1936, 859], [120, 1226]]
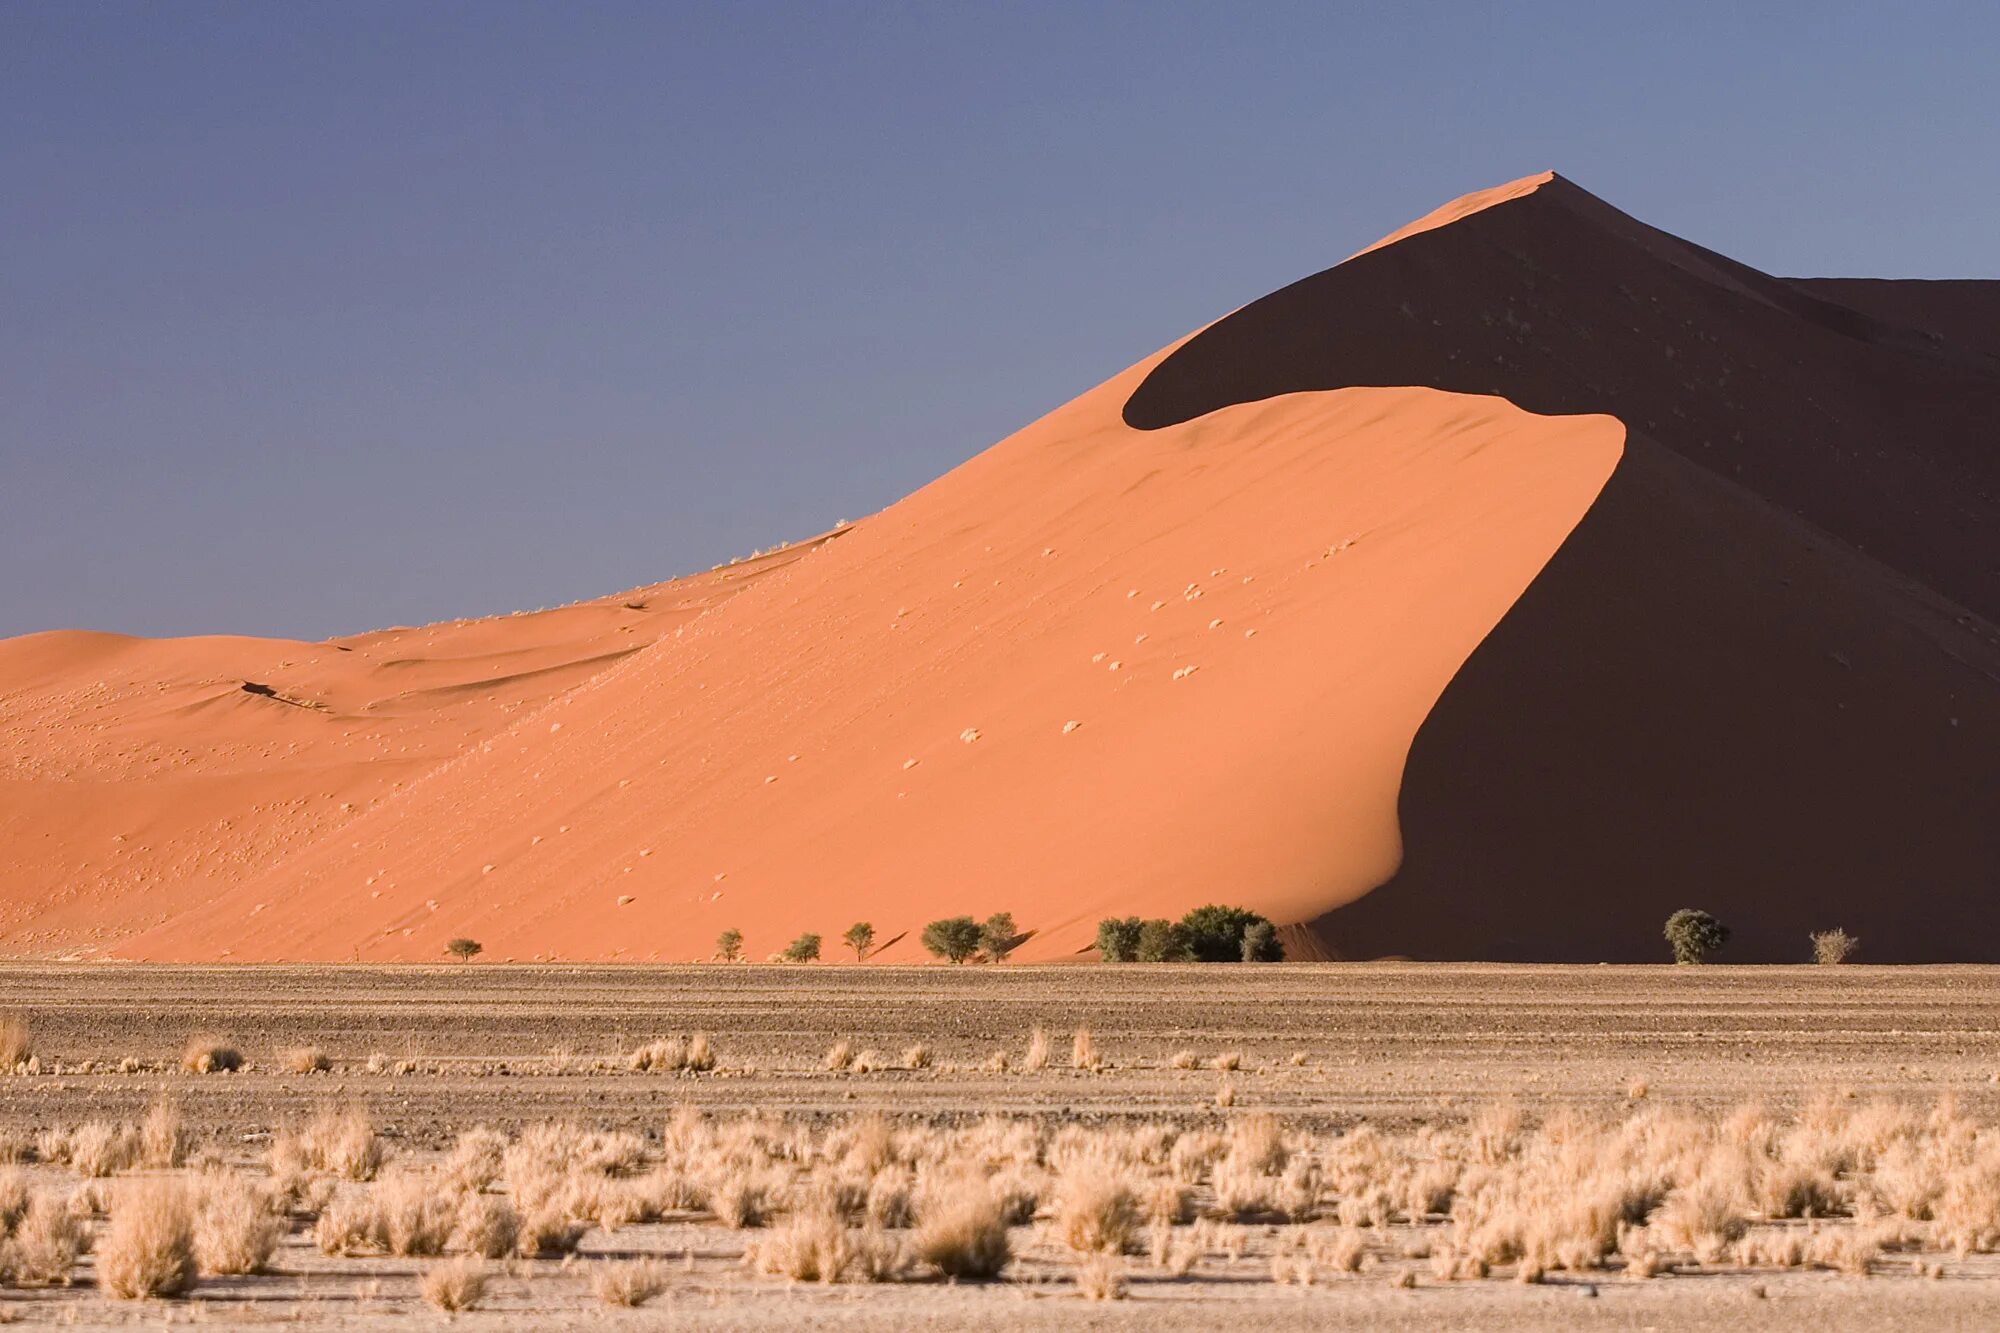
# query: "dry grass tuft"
[[962, 1232], [1083, 1052], [488, 1226], [47, 1239], [148, 1250], [164, 1140], [457, 1284], [412, 1216], [101, 1149], [210, 1055], [235, 1229], [838, 1056], [917, 1056], [1096, 1210], [1228, 1061], [1036, 1057], [306, 1060], [629, 1283], [16, 1047], [1184, 1060], [1101, 1277]]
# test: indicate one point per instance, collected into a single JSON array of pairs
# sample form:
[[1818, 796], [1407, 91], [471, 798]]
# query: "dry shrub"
[[14, 1199], [1225, 1096], [235, 1230], [1100, 1277], [812, 1246], [839, 1056], [549, 1233], [474, 1162], [148, 1250], [456, 1284], [662, 1055], [888, 1202], [870, 1062], [1703, 1216], [164, 1139], [100, 1149], [346, 1225], [1037, 1056], [16, 1047], [488, 1226], [740, 1199], [341, 1141], [1848, 1250], [1083, 1051], [917, 1056], [1096, 1210], [1833, 946], [306, 1060], [962, 1231], [1228, 1061], [413, 1216], [631, 1282], [47, 1238], [700, 1053], [1184, 1060], [210, 1055]]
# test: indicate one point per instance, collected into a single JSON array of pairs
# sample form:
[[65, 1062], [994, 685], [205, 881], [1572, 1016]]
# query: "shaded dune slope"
[[1761, 674]]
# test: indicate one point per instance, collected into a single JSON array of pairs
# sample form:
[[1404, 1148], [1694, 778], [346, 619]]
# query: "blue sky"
[[318, 317]]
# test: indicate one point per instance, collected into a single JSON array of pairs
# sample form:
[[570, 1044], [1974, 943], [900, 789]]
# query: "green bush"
[[729, 945], [1215, 934], [1694, 934], [1162, 942], [804, 949], [1260, 943], [953, 937], [463, 949], [860, 937], [998, 937], [1118, 939]]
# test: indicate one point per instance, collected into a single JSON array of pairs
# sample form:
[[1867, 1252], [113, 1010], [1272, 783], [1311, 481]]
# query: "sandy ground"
[[1395, 1045]]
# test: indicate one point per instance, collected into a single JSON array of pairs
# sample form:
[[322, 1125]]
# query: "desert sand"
[[1490, 595]]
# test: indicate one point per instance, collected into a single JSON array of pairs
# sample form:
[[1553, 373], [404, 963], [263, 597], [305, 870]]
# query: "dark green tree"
[[464, 950], [804, 949], [1215, 934], [1694, 934], [997, 936], [953, 937], [1118, 939], [729, 945], [1162, 942]]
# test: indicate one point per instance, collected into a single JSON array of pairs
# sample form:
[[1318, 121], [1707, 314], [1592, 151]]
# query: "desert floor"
[[1406, 1049]]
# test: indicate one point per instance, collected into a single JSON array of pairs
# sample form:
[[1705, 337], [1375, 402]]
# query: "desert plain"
[[1301, 1145]]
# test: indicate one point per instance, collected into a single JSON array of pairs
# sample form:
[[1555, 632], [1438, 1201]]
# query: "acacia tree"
[[998, 937], [1118, 939], [860, 937], [464, 950], [952, 937], [1694, 934], [729, 945], [1215, 934], [1162, 942]]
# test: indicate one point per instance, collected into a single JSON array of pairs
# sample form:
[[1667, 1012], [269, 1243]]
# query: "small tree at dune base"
[[804, 949], [1118, 939], [1260, 943], [1215, 933], [1162, 941], [998, 936], [953, 937], [464, 950], [860, 937], [1833, 946], [729, 945], [1693, 934]]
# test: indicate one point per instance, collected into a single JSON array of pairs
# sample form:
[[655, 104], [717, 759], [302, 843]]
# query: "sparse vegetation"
[[955, 938], [464, 950], [1162, 941], [1217, 934], [207, 1055], [804, 949], [998, 936], [15, 1046], [729, 945], [456, 1284], [1118, 939], [148, 1250], [860, 937], [1833, 946], [1693, 935]]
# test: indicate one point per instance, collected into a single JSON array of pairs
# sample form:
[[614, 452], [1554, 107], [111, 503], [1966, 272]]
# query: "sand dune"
[[1491, 594]]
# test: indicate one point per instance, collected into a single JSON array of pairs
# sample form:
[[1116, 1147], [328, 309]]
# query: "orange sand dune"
[[1525, 576]]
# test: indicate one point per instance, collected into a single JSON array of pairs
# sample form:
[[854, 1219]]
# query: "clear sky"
[[321, 317]]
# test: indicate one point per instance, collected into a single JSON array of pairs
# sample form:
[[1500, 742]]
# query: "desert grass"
[[1036, 1057], [629, 1282], [236, 1229], [164, 1140], [16, 1046], [148, 1250], [306, 1060], [47, 1237], [210, 1055], [454, 1285]]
